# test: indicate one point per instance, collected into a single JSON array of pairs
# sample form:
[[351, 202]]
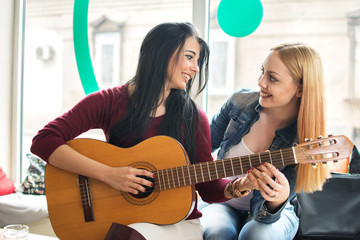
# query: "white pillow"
[[22, 208]]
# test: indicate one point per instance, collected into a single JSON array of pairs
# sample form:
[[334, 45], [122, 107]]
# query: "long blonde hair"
[[305, 65]]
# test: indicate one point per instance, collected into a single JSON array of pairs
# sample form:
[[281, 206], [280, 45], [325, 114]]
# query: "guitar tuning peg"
[[335, 161], [314, 165], [320, 137], [324, 164], [330, 135], [308, 139]]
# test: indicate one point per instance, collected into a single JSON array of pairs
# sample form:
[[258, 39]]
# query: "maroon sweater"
[[103, 109]]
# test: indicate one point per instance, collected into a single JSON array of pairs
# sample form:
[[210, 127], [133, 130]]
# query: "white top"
[[239, 150]]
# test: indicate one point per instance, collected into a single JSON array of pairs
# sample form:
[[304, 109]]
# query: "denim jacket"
[[232, 122]]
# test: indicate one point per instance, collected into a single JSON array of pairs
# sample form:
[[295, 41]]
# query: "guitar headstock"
[[332, 148]]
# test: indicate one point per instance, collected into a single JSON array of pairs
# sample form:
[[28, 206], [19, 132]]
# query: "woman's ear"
[[299, 91]]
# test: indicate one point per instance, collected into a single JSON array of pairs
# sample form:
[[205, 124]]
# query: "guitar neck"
[[208, 171]]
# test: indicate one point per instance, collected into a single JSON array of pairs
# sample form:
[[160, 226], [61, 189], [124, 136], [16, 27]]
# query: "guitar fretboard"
[[208, 171]]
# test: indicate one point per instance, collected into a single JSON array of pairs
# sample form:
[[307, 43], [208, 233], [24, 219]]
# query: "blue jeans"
[[222, 222]]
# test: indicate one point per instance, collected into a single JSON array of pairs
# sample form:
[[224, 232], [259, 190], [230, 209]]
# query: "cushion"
[[34, 182], [6, 185], [22, 208]]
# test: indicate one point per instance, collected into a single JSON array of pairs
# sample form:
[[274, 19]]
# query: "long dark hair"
[[181, 118]]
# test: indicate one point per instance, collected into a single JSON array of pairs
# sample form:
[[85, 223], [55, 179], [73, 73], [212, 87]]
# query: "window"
[[51, 70], [107, 42], [115, 31], [107, 59], [221, 63], [354, 33]]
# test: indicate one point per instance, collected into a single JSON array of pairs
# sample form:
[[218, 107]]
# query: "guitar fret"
[[163, 175], [177, 174], [168, 177], [270, 158], [172, 176], [242, 170], [259, 157], [250, 161], [232, 167], [228, 167], [196, 180], [282, 159], [202, 174], [217, 175], [182, 169], [189, 174], [158, 179], [224, 168], [207, 163]]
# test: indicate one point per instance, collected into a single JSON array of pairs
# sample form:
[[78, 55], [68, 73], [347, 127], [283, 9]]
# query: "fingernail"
[[252, 168], [248, 171]]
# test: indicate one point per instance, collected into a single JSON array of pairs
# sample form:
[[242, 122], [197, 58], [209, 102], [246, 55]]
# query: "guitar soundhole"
[[148, 190]]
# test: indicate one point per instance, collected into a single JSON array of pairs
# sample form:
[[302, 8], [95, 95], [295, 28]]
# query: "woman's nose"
[[195, 68], [262, 81]]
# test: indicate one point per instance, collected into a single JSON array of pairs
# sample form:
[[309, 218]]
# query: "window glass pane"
[[116, 29], [322, 24]]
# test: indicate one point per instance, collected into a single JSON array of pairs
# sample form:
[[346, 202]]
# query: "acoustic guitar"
[[84, 208]]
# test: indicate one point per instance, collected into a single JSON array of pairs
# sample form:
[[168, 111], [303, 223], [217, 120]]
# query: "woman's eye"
[[272, 79], [189, 57]]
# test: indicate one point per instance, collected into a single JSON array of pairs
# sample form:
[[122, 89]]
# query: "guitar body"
[[108, 205]]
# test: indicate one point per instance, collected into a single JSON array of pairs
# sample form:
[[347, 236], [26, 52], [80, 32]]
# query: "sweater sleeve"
[[94, 111]]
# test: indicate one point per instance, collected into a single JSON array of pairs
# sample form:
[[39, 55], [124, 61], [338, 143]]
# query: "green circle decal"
[[81, 47], [239, 18]]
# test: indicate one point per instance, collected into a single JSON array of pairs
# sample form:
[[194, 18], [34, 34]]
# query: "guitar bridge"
[[86, 198]]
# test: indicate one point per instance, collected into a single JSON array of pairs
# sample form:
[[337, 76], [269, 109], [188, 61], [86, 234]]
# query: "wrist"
[[233, 189]]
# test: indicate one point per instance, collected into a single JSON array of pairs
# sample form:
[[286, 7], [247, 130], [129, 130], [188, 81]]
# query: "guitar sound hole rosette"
[[149, 195]]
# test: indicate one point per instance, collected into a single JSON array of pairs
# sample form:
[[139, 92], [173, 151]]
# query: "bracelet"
[[234, 184]]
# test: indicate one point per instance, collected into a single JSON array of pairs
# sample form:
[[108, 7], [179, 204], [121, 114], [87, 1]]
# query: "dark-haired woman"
[[154, 102]]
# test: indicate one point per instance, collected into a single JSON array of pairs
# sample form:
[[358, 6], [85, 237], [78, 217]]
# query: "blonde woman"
[[289, 107]]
